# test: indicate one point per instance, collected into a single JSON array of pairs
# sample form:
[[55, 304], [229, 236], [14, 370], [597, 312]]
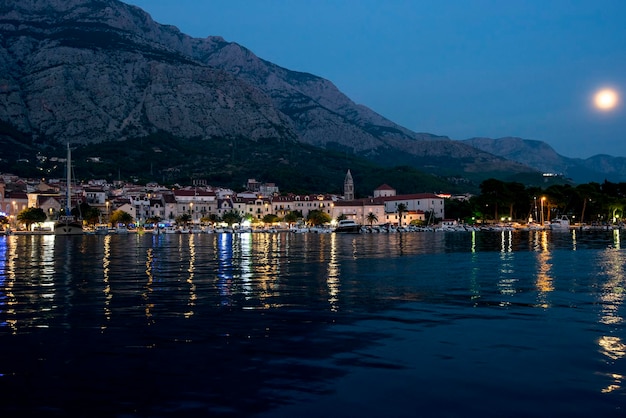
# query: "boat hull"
[[351, 229], [68, 228]]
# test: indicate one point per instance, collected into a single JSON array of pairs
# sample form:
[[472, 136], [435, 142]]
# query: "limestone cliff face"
[[89, 71], [94, 70]]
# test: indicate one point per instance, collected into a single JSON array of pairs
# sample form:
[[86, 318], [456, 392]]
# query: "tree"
[[270, 218], [589, 198], [121, 217], [401, 209], [493, 194], [231, 217], [92, 216], [210, 218], [31, 216], [318, 217], [342, 217], [293, 217], [459, 209], [4, 220], [371, 218], [183, 219]]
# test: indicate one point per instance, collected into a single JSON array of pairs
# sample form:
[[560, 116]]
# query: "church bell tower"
[[348, 187]]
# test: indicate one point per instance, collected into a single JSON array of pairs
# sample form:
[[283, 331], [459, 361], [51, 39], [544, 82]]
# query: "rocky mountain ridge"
[[543, 157], [84, 71]]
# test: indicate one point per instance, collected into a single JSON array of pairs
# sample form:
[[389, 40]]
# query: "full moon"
[[605, 99]]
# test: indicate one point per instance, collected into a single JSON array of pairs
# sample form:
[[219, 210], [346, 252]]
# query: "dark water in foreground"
[[294, 325]]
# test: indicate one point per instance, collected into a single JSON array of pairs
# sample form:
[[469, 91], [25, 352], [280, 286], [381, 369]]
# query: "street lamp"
[[542, 199]]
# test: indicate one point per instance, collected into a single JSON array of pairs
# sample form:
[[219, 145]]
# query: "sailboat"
[[68, 224]]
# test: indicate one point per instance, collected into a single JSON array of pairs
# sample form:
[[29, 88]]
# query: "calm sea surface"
[[472, 324]]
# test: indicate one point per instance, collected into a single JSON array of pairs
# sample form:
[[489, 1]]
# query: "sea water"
[[426, 324]]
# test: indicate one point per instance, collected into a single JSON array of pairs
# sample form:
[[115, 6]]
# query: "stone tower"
[[348, 187]]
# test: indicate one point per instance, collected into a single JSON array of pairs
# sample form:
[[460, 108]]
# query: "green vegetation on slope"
[[230, 162]]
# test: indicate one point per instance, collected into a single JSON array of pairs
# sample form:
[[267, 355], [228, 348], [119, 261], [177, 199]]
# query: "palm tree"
[[371, 218], [401, 209]]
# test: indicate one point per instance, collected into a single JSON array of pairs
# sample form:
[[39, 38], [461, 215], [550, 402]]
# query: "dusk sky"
[[459, 68]]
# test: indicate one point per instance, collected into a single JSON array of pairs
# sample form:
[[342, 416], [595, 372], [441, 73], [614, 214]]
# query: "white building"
[[424, 202], [359, 209]]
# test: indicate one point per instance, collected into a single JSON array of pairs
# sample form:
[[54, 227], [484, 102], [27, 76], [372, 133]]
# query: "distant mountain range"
[[543, 157], [95, 71]]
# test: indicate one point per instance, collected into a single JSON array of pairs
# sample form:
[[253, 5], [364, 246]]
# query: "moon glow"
[[605, 99]]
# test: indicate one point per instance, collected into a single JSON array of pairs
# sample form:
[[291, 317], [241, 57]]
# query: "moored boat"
[[347, 226], [560, 225]]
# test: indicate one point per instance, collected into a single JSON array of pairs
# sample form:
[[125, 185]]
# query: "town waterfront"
[[436, 324]]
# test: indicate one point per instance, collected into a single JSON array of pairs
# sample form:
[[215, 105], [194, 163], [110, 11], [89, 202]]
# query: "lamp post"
[[542, 199]]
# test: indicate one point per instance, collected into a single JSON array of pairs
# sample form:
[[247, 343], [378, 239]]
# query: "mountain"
[[94, 71], [543, 157]]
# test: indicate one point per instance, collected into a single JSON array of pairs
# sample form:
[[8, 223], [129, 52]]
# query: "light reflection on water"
[[269, 306]]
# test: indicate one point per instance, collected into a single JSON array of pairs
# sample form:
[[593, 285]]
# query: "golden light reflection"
[[613, 290], [612, 298], [191, 270], [615, 384], [7, 281], [148, 287], [11, 300], [106, 263], [332, 280], [616, 239], [544, 281], [612, 347]]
